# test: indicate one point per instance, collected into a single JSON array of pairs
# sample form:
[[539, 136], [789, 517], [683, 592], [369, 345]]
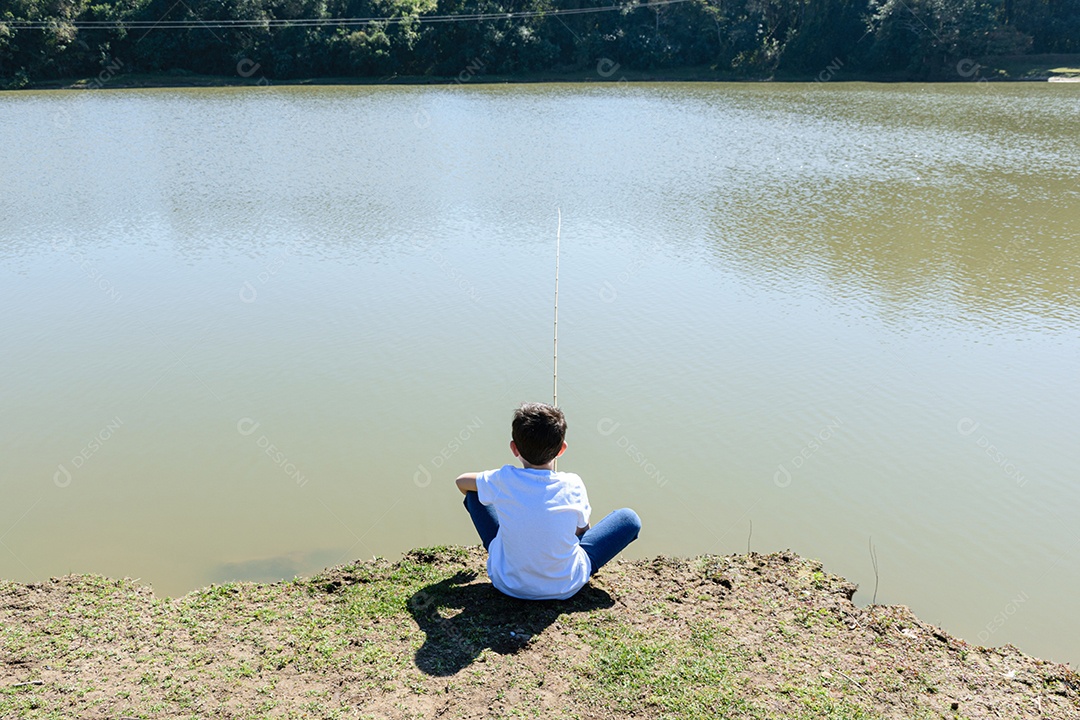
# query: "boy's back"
[[534, 522], [536, 554]]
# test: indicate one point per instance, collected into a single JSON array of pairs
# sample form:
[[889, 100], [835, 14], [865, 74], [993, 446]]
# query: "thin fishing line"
[[194, 23]]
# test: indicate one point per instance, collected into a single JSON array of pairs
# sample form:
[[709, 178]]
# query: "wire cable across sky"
[[266, 23]]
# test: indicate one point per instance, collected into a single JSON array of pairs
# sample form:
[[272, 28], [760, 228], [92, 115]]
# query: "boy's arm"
[[467, 482], [586, 512]]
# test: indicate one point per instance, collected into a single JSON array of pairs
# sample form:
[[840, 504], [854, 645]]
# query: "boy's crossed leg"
[[601, 542], [607, 538]]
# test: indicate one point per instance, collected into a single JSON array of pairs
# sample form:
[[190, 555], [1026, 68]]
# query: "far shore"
[[1035, 68]]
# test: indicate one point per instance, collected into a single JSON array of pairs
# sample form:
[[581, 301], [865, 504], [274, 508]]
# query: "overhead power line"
[[192, 23]]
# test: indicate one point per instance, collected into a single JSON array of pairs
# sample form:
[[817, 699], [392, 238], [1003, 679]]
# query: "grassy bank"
[[612, 75], [1029, 67], [747, 636]]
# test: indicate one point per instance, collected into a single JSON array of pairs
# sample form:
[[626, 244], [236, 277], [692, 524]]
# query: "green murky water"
[[248, 333]]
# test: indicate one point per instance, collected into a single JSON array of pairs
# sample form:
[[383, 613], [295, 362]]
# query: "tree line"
[[901, 39]]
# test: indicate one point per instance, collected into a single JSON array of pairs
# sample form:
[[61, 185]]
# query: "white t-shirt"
[[536, 554]]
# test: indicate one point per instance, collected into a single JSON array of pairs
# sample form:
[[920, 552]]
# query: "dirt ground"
[[741, 636]]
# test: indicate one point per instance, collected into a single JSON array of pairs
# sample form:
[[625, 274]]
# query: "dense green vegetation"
[[917, 39]]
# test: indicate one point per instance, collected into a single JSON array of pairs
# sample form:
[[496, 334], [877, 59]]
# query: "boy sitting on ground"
[[534, 521]]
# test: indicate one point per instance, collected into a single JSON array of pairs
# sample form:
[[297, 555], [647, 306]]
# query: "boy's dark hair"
[[538, 431]]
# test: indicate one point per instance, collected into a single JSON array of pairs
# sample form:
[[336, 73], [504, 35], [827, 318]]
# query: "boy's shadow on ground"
[[486, 620]]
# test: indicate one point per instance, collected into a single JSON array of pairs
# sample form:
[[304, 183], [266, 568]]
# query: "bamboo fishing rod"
[[555, 353]]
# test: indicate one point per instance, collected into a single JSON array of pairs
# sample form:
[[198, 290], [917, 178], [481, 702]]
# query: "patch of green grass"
[[644, 672], [814, 703], [389, 596], [446, 553], [16, 702]]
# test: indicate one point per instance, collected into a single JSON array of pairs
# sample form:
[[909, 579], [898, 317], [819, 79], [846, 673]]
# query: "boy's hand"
[[467, 482], [582, 531]]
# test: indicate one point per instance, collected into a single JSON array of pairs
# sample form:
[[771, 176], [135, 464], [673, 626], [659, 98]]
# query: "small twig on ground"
[[28, 683], [749, 536], [853, 682]]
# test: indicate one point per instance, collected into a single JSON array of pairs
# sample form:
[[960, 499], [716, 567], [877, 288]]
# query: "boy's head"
[[538, 431]]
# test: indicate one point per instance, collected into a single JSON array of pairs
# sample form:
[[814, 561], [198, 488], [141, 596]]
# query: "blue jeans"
[[601, 542]]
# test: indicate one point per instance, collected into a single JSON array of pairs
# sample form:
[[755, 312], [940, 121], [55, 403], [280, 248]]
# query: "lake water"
[[248, 333]]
